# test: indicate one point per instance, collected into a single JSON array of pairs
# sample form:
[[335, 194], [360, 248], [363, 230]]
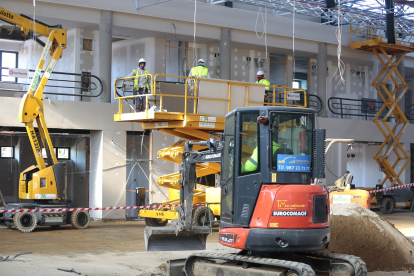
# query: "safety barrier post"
[[247, 95], [185, 99], [229, 98]]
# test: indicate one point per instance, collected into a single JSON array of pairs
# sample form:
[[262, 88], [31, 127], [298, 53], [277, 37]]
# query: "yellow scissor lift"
[[372, 39], [192, 119]]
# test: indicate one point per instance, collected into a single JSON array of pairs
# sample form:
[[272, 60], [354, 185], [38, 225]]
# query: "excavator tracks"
[[301, 268], [293, 267], [357, 263]]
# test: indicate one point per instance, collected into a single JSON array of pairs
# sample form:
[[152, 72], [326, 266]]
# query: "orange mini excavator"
[[270, 208]]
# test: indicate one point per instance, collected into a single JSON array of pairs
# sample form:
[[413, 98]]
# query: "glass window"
[[291, 137], [8, 60], [249, 152], [44, 153], [296, 84], [62, 153], [7, 152]]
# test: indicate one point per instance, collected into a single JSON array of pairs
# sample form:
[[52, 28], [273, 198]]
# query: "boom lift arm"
[[43, 184]]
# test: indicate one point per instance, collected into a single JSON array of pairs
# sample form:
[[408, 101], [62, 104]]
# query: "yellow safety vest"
[[136, 80], [252, 163], [264, 81], [199, 71]]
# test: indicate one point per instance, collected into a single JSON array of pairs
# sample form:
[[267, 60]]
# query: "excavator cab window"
[[291, 138], [249, 132]]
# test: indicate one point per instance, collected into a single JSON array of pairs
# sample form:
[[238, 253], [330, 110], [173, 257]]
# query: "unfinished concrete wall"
[[88, 60], [175, 60], [357, 86], [125, 57], [278, 69]]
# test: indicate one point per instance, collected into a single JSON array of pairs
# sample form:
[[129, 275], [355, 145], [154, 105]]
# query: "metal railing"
[[280, 95], [367, 108], [409, 112], [86, 84], [315, 103]]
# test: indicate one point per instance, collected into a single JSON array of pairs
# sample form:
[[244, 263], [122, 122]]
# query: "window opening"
[[87, 44], [9, 60], [63, 153], [7, 152]]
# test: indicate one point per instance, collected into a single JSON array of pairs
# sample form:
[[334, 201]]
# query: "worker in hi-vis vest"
[[252, 163], [261, 79], [141, 84], [200, 71]]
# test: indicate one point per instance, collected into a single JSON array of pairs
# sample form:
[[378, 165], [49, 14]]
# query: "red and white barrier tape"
[[59, 210], [392, 188]]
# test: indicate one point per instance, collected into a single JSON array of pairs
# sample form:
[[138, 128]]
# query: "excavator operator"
[[252, 162]]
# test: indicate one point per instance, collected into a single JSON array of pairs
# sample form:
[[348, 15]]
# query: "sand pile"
[[360, 232]]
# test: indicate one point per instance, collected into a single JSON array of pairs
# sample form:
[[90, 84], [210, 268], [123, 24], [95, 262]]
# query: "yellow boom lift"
[[44, 184]]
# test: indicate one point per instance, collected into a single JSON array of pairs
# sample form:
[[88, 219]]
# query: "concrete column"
[[105, 55], [322, 72], [225, 54], [401, 70], [107, 185]]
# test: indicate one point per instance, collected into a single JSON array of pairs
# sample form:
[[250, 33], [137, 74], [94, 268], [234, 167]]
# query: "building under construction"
[[149, 112]]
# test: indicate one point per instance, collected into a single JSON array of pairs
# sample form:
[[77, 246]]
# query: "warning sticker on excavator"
[[341, 198]]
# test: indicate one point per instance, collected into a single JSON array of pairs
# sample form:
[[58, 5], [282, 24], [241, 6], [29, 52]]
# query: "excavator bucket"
[[167, 239]]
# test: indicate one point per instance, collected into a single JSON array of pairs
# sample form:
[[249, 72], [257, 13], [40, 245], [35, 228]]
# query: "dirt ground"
[[112, 248]]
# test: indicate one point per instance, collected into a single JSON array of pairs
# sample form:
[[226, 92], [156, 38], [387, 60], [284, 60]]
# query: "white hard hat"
[[201, 61], [141, 60], [260, 73]]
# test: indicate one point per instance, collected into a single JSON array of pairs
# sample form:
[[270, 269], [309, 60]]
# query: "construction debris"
[[69, 270], [6, 259], [360, 232], [160, 270]]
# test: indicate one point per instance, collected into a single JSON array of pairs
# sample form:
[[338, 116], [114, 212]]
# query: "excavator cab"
[[264, 152]]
